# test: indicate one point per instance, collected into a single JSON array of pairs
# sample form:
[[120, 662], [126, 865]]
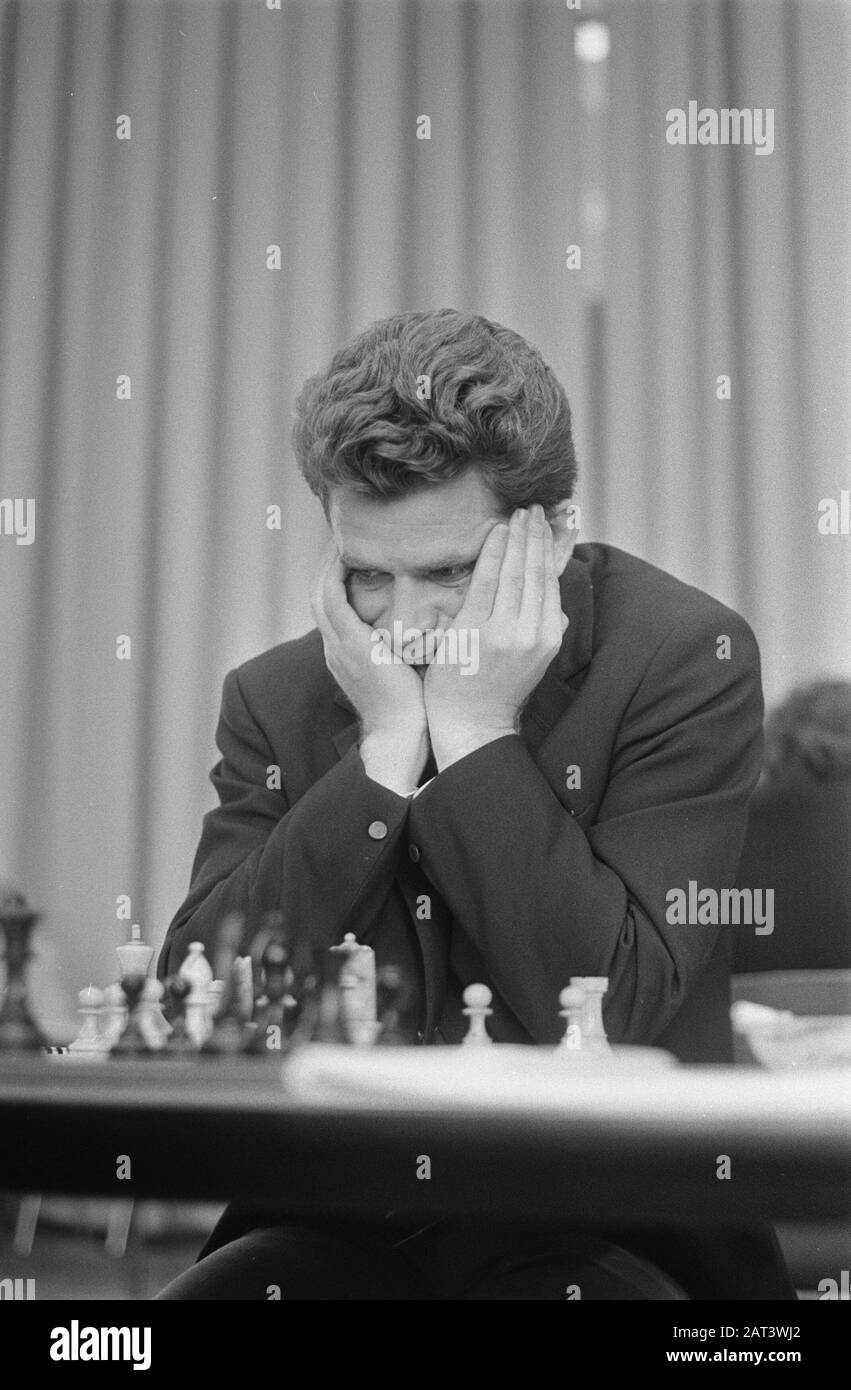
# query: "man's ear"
[[564, 523]]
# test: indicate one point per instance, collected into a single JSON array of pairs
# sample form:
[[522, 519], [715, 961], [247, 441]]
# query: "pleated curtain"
[[164, 296]]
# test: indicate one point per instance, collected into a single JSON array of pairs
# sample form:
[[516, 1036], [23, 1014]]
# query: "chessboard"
[[277, 998]]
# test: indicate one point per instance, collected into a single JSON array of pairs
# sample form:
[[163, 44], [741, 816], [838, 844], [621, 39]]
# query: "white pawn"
[[572, 1000], [197, 970], [477, 998], [114, 1016], [88, 1038]]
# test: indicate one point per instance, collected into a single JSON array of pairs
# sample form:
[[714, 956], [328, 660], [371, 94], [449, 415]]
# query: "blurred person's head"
[[423, 434], [810, 732]]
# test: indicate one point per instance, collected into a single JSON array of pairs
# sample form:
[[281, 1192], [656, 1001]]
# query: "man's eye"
[[368, 578], [453, 573]]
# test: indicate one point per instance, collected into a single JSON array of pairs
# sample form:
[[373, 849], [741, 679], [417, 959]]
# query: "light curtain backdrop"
[[252, 127]]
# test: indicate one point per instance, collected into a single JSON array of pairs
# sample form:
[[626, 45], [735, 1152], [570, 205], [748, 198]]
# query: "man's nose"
[[412, 608], [414, 603]]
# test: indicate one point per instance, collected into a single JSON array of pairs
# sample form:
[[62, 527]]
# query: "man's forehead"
[[442, 525], [415, 547]]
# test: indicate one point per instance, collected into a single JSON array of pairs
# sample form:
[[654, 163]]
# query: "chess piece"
[[113, 1017], [330, 1024], [271, 927], [358, 981], [133, 1042], [222, 990], [302, 1002], [18, 1029], [213, 1003], [396, 1004], [572, 1001], [363, 1032], [358, 1030], [274, 1007], [244, 987], [151, 1021], [477, 999], [197, 970], [134, 957], [88, 1039], [253, 990], [277, 977], [593, 1031], [227, 1035], [179, 1043]]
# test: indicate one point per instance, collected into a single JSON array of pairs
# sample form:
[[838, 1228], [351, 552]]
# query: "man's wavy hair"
[[492, 401]]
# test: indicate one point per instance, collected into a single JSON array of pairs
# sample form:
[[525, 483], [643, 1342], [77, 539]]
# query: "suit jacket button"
[[414, 853], [377, 830]]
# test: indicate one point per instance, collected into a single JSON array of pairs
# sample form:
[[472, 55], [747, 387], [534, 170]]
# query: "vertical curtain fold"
[[147, 258]]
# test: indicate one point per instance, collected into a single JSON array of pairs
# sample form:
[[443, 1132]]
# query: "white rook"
[[135, 956], [593, 1032]]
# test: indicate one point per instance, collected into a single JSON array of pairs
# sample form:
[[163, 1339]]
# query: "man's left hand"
[[513, 604]]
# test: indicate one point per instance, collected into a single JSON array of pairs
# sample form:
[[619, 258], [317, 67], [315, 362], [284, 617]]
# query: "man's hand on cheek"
[[509, 628], [387, 696]]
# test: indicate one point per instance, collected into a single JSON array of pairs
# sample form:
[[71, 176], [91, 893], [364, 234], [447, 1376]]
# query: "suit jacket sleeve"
[[316, 859], [542, 899]]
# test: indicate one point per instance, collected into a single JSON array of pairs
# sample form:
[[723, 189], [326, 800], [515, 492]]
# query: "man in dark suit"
[[514, 801]]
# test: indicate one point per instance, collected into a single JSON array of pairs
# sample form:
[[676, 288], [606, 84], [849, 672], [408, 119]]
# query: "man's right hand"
[[388, 696]]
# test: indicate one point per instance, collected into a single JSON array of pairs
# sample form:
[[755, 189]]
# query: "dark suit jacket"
[[528, 882]]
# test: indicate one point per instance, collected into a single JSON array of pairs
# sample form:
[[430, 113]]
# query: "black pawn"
[[178, 1043], [132, 1042], [19, 1031], [396, 1008]]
